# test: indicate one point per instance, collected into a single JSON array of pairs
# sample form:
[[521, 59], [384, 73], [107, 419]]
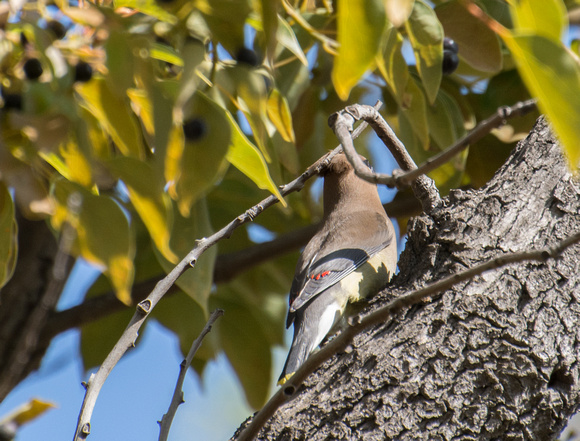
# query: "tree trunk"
[[493, 358], [25, 304]]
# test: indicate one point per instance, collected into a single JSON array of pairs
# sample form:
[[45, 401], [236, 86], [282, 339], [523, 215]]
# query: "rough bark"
[[493, 358], [25, 304]]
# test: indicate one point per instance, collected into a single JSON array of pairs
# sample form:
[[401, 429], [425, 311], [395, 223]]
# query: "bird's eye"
[[368, 164]]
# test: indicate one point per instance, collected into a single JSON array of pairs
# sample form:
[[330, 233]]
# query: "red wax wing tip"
[[320, 275]]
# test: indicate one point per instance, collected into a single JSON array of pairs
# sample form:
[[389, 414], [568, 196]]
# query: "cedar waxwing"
[[353, 255]]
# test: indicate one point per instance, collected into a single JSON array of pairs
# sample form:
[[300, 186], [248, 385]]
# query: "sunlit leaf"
[[541, 17], [143, 108], [8, 236], [245, 156], [483, 52], [102, 232], [165, 53], [27, 412], [78, 165], [398, 11], [287, 38], [426, 36], [360, 25], [553, 76], [149, 7], [114, 115], [146, 194], [279, 114]]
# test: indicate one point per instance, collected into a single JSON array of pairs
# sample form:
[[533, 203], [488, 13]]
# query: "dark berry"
[[449, 44], [247, 56], [57, 28], [194, 129], [83, 72], [450, 62], [32, 68], [12, 101]]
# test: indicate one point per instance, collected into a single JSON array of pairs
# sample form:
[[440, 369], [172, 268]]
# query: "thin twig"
[[357, 324], [129, 336], [177, 399], [342, 123]]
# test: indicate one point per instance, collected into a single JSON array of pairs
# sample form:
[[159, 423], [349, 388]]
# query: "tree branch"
[[177, 399], [144, 308], [342, 122], [357, 324]]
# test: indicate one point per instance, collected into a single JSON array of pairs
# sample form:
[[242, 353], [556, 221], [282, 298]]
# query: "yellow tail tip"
[[284, 379]]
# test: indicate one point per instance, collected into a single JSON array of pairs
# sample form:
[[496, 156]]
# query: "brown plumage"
[[353, 255]]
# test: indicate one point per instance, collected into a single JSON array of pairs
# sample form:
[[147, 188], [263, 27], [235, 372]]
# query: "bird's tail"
[[300, 349], [311, 325]]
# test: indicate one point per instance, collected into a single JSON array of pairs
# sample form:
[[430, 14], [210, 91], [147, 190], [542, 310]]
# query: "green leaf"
[[193, 54], [484, 52], [426, 36], [360, 25], [287, 38], [279, 114], [246, 157], [8, 236], [114, 115], [98, 337], [542, 17], [414, 109], [553, 76], [120, 61], [103, 235], [147, 196], [226, 19], [246, 345], [197, 282], [184, 316], [445, 120], [149, 7], [269, 15], [165, 53], [392, 65], [202, 162]]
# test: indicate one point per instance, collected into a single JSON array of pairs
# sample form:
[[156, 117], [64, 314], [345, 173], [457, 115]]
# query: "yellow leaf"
[[246, 157], [27, 412], [360, 25], [280, 115]]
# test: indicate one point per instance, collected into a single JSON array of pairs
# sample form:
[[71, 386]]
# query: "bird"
[[352, 255]]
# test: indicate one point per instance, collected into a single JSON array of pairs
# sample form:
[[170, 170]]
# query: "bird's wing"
[[338, 255]]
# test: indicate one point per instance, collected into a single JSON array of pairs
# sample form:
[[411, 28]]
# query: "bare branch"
[[144, 308], [177, 398], [357, 324], [342, 123]]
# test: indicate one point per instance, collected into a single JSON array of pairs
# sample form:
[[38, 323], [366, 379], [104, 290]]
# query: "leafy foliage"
[[187, 113]]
